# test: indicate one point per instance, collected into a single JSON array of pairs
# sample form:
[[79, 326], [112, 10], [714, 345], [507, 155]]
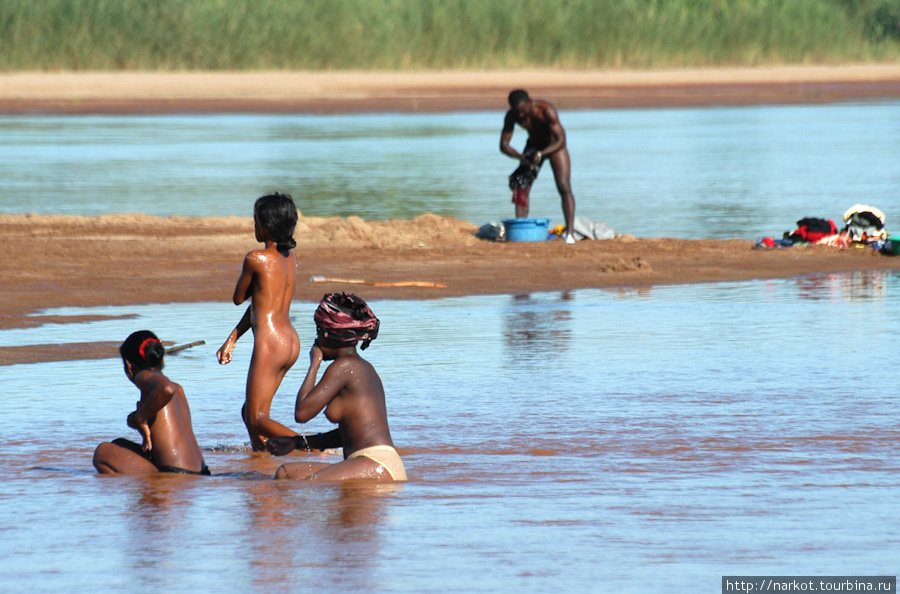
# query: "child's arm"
[[313, 398], [309, 382], [225, 351], [326, 441], [143, 429], [282, 446], [243, 290], [148, 408]]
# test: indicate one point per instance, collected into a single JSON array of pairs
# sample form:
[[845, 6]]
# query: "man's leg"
[[559, 161]]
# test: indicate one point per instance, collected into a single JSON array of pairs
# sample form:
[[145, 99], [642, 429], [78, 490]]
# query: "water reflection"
[[871, 285], [866, 286], [176, 535], [630, 292], [295, 525], [164, 528], [537, 326], [156, 516]]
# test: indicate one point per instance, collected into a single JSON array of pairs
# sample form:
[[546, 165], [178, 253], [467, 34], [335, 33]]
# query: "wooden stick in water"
[[182, 347], [410, 284], [359, 281], [350, 281]]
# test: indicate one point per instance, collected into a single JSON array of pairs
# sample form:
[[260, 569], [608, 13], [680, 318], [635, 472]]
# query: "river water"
[[608, 441], [722, 172], [626, 440]]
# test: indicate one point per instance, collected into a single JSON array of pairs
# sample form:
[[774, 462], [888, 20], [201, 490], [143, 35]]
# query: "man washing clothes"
[[546, 140]]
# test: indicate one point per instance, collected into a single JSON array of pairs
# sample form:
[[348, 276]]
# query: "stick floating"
[[359, 281], [182, 347]]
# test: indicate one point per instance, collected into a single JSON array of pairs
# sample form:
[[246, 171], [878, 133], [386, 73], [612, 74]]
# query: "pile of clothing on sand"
[[863, 225]]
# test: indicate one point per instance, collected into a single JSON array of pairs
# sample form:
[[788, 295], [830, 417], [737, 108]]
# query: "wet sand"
[[338, 92], [55, 261]]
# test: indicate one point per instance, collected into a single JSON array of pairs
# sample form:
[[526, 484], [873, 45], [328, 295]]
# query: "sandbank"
[[55, 260]]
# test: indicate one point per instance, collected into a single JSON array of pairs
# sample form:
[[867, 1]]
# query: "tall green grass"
[[419, 34]]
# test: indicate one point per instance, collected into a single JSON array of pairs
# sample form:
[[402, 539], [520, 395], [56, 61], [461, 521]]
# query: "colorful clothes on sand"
[[864, 224], [813, 230]]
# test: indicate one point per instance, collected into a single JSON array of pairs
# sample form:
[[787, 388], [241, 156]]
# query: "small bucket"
[[526, 229], [895, 245]]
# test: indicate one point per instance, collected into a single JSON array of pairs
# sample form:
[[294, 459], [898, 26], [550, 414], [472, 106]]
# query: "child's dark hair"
[[143, 350], [278, 214]]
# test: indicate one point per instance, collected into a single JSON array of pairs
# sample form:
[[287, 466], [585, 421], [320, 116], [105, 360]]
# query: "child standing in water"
[[162, 418], [267, 280], [350, 393]]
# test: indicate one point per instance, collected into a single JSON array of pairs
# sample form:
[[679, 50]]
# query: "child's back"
[[162, 417]]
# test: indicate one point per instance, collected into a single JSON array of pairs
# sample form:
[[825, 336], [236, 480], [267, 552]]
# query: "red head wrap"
[[346, 318]]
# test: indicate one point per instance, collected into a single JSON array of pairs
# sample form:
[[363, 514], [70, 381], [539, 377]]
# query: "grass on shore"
[[452, 34]]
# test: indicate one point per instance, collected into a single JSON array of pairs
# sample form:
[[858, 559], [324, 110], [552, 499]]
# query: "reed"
[[426, 34]]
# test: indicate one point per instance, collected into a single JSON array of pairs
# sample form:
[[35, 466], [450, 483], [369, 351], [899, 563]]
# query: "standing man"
[[546, 140]]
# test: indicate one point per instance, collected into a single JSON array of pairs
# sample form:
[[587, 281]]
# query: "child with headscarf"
[[350, 393]]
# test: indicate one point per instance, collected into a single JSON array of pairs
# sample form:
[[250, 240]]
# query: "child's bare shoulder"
[[257, 257], [149, 381], [349, 364], [159, 379]]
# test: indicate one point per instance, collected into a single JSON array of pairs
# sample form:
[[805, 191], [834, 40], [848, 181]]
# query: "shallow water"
[[724, 172], [597, 440]]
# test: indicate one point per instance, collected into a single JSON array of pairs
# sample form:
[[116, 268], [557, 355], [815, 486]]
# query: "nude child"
[[267, 280]]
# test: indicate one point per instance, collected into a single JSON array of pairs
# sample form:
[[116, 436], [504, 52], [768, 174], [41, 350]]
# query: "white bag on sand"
[[585, 229]]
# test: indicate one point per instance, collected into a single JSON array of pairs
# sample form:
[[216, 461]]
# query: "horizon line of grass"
[[441, 34]]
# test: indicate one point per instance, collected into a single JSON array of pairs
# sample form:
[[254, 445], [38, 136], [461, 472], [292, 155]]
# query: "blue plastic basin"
[[526, 229]]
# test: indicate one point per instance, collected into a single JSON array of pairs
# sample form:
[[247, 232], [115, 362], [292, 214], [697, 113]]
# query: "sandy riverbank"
[[336, 92], [55, 261]]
